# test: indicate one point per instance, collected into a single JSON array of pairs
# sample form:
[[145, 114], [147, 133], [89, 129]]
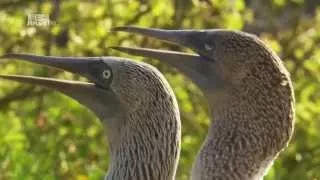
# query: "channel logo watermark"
[[39, 20]]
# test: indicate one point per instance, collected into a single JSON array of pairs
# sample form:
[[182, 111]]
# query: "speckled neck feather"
[[252, 124], [149, 145]]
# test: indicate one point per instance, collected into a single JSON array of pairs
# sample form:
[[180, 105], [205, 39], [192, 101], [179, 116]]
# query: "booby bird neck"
[[147, 145], [250, 125]]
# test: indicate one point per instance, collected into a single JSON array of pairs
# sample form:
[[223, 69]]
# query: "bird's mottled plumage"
[[135, 104], [249, 93], [252, 112], [146, 145]]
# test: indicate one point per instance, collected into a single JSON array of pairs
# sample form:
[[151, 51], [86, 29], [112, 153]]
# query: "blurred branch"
[[288, 50], [53, 17], [136, 18], [15, 4], [48, 46], [181, 8], [270, 18], [20, 94]]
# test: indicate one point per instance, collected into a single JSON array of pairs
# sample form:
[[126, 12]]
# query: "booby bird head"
[[112, 87], [134, 102], [249, 94], [223, 58]]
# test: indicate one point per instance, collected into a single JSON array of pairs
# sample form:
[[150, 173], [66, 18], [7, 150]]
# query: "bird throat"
[[246, 134], [147, 145]]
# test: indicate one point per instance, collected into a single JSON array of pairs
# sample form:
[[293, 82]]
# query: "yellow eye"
[[106, 74]]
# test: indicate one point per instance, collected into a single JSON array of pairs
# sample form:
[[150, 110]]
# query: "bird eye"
[[208, 47], [106, 74]]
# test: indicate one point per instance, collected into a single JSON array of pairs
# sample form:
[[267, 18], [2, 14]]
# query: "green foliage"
[[45, 135]]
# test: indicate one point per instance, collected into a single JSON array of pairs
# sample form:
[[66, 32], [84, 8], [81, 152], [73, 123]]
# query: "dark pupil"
[[106, 74]]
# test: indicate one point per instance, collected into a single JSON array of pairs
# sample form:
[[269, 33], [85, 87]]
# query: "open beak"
[[64, 86], [194, 66], [79, 65], [193, 39], [188, 64]]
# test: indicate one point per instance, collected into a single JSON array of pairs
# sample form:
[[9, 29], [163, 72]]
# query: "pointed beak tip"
[[5, 56], [126, 29], [117, 48], [119, 28], [13, 55], [111, 47], [8, 77]]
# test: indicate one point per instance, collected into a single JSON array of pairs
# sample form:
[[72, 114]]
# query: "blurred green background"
[[46, 135]]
